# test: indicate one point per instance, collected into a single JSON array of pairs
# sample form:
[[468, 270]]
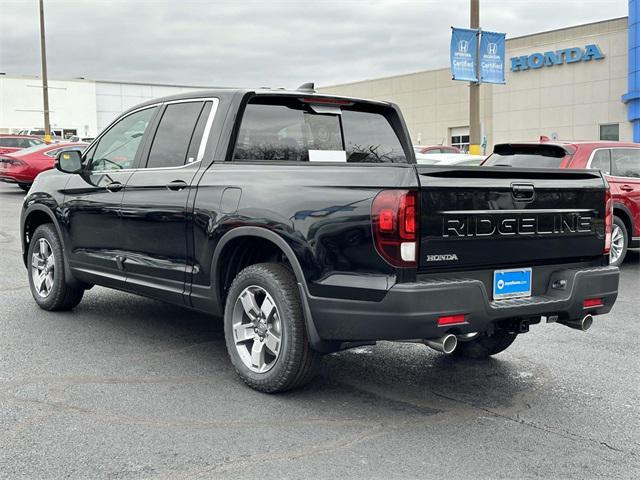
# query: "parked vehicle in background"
[[304, 220], [39, 132], [22, 167], [76, 138], [432, 149], [619, 161], [463, 159], [58, 135], [13, 143]]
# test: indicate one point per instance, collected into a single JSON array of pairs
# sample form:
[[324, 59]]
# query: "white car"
[[449, 159]]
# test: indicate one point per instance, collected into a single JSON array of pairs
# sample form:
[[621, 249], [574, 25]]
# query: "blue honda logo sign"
[[463, 46], [559, 57]]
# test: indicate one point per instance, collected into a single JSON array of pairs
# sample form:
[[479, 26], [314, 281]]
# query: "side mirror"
[[69, 161]]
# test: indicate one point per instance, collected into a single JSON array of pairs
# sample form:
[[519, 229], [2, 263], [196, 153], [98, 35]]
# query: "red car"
[[21, 167], [12, 143], [425, 149], [620, 162]]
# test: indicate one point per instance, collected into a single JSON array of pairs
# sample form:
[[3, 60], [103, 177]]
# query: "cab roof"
[[228, 93]]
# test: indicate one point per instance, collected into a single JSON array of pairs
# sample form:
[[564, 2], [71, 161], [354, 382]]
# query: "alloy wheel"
[[43, 268], [257, 329], [617, 244]]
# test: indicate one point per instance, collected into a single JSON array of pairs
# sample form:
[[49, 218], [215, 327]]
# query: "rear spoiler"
[[544, 149]]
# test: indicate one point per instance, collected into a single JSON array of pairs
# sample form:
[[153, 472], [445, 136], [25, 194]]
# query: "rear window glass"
[[295, 131], [526, 156]]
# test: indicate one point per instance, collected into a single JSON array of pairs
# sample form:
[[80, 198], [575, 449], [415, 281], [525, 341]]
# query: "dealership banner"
[[464, 48], [492, 57]]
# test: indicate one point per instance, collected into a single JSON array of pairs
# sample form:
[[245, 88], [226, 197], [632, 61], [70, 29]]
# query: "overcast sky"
[[261, 43]]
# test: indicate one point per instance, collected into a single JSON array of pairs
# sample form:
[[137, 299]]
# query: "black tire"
[[485, 345], [24, 186], [625, 238], [297, 362], [61, 296]]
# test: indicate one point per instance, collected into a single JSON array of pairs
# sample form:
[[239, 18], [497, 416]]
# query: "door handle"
[[176, 185], [522, 192], [626, 188], [114, 186]]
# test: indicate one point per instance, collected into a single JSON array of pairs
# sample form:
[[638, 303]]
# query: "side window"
[[8, 142], [177, 139], [32, 142], [626, 162], [602, 161], [117, 148]]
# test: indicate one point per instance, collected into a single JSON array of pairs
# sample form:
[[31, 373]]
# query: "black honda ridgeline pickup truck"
[[305, 221]]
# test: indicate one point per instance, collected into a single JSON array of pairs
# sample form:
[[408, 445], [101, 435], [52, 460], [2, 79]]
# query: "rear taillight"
[[12, 161], [608, 220], [394, 217]]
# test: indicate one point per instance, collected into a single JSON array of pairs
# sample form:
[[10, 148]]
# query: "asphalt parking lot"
[[126, 387]]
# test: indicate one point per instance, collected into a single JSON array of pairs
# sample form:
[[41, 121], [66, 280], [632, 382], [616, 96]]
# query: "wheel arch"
[[35, 216], [623, 213], [275, 244]]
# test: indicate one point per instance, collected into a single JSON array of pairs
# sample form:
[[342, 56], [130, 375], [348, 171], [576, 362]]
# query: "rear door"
[[509, 217], [625, 182], [154, 207]]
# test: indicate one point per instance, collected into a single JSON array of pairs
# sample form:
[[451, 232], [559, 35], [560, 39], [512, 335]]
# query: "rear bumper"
[[411, 310]]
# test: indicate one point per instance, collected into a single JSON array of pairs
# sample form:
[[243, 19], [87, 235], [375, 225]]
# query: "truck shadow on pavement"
[[388, 377]]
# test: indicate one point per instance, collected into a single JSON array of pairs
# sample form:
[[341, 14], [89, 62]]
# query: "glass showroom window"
[[610, 131]]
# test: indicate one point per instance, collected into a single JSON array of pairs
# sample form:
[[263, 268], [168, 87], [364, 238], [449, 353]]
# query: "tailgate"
[[478, 217]]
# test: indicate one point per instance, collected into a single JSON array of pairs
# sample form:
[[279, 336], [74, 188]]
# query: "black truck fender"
[[317, 343]]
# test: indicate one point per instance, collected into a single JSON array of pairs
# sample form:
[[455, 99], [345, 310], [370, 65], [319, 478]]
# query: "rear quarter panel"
[[321, 211]]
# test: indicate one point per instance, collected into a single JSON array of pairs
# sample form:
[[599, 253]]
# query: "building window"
[[610, 131], [460, 138]]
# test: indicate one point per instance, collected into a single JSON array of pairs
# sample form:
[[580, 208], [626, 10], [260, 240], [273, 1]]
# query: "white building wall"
[[113, 98], [71, 104]]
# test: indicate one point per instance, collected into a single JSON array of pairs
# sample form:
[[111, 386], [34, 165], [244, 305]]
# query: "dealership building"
[[572, 83], [76, 105]]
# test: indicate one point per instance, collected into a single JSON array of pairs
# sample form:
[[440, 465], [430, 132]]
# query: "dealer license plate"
[[511, 283]]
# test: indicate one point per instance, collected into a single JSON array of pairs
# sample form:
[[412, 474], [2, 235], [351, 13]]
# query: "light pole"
[[474, 90], [45, 85]]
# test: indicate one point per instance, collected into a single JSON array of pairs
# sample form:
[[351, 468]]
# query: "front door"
[[92, 200], [154, 207]]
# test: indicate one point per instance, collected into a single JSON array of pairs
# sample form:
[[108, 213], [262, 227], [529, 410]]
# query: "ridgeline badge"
[[559, 57]]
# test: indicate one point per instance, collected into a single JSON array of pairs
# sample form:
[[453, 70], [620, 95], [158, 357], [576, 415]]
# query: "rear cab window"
[[317, 130], [528, 156]]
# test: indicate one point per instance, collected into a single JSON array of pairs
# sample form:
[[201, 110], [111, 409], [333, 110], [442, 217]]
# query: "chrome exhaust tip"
[[582, 324], [445, 344]]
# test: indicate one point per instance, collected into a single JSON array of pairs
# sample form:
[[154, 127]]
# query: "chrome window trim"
[[593, 153], [201, 148]]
